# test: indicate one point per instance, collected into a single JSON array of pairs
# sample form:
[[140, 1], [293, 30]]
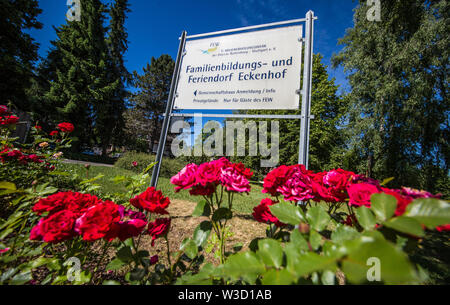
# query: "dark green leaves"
[[222, 214], [383, 205], [430, 212], [406, 225], [318, 218], [202, 233], [271, 252], [202, 209], [288, 213], [365, 218]]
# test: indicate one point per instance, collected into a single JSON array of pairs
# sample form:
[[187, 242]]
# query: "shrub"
[[138, 162]]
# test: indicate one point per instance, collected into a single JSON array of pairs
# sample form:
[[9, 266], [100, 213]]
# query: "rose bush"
[[321, 227]]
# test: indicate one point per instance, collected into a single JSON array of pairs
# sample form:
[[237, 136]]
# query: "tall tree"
[[18, 51], [153, 88], [110, 122], [82, 84], [398, 73]]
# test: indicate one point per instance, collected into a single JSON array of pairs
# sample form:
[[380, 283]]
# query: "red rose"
[[8, 120], [360, 193], [445, 228], [276, 178], [402, 201], [200, 190], [55, 228], [3, 110], [54, 133], [75, 202], [262, 213], [160, 227], [97, 221], [135, 164], [66, 127], [154, 260], [186, 178], [131, 225], [151, 200]]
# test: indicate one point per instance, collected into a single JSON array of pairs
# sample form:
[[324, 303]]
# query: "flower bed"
[[318, 224]]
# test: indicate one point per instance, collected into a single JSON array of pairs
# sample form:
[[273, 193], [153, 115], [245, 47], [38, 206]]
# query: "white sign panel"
[[257, 70]]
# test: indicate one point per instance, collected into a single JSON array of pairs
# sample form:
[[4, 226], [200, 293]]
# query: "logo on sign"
[[212, 48]]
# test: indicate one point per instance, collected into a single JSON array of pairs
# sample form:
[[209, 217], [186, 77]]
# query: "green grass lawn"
[[242, 203]]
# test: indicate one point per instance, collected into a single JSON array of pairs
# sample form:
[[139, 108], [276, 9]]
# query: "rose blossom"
[[276, 178], [66, 127], [3, 110], [262, 213], [186, 178], [54, 133], [360, 193], [97, 221], [298, 186], [152, 201], [55, 228], [234, 181], [160, 227]]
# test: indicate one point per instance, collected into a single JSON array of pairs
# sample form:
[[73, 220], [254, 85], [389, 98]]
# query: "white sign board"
[[257, 70]]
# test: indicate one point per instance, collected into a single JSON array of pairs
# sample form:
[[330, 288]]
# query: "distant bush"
[[137, 162]]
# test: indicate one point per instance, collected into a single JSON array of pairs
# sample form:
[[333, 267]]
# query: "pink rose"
[[234, 181], [186, 178], [360, 194], [299, 185]]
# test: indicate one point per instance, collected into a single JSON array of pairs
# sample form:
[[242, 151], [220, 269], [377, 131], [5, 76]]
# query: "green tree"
[[153, 88], [82, 84], [398, 72], [18, 50], [110, 122]]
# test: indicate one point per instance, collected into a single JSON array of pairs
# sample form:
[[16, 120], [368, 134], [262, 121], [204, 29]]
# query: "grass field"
[[242, 203]]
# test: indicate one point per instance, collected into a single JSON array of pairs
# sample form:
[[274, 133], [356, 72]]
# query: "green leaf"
[[315, 239], [85, 277], [318, 218], [125, 254], [406, 225], [21, 278], [270, 252], [202, 232], [364, 254], [429, 211], [202, 209], [288, 213], [383, 205], [299, 241], [190, 248], [386, 181], [307, 263], [115, 264], [137, 274], [222, 213], [7, 186], [245, 266], [277, 277], [343, 233], [110, 283], [7, 274], [365, 218]]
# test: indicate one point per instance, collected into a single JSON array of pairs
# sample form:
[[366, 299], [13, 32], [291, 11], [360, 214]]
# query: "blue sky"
[[155, 25]]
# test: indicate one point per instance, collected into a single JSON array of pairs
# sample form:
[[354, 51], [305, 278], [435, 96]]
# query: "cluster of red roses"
[[296, 183], [6, 118], [70, 214], [11, 154], [203, 179]]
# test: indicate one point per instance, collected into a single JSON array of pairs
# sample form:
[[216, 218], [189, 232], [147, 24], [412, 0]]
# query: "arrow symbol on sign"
[[195, 93]]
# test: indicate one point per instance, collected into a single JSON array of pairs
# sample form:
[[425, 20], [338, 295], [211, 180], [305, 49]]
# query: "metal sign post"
[[305, 117], [169, 108], [303, 154]]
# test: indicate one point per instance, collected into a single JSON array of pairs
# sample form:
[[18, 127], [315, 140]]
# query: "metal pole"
[[307, 84], [170, 102]]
